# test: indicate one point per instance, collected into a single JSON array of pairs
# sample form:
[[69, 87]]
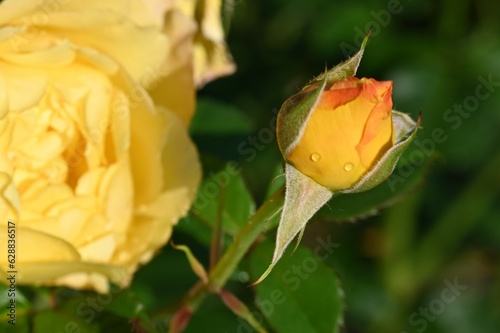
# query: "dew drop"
[[315, 157], [348, 166]]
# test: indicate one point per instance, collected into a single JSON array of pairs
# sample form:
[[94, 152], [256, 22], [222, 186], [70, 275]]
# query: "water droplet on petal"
[[315, 157], [348, 166]]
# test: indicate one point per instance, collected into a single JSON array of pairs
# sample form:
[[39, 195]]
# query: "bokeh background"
[[420, 253], [447, 227]]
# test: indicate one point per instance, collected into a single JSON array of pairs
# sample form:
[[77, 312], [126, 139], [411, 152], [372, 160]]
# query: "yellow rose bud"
[[338, 134], [92, 174], [347, 132]]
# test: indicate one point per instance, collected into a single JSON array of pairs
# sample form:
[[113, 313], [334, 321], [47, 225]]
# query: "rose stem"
[[247, 235]]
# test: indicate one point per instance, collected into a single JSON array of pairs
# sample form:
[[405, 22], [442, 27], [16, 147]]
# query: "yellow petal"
[[116, 193], [25, 86], [211, 56], [11, 10], [120, 122], [10, 203], [346, 133], [58, 55], [181, 175], [4, 101], [99, 28], [185, 173], [35, 246], [173, 86], [146, 12], [99, 250]]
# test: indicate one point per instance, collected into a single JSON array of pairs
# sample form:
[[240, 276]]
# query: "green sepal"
[[241, 310], [296, 110], [343, 70], [303, 198], [293, 117], [385, 166], [196, 266], [403, 124]]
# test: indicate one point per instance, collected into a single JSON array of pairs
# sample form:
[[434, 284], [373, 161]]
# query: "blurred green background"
[[419, 253], [438, 53]]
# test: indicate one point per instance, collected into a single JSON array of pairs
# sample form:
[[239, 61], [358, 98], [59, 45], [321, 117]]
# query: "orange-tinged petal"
[[378, 131], [346, 133]]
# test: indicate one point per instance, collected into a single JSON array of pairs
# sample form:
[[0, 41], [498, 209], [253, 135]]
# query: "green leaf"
[[238, 205], [214, 316], [21, 325], [214, 117], [62, 321], [127, 305], [157, 286], [301, 294], [22, 307], [116, 311], [303, 198]]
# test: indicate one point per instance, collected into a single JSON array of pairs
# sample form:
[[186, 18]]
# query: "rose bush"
[[93, 171], [348, 131]]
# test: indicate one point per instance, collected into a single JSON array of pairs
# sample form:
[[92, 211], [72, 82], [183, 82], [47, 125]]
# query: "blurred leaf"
[[238, 205], [21, 326], [117, 311], [215, 117], [125, 304], [164, 280], [22, 307], [301, 285], [62, 321], [214, 316]]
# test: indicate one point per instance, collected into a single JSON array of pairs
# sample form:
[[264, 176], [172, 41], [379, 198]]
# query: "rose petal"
[[10, 203], [58, 55]]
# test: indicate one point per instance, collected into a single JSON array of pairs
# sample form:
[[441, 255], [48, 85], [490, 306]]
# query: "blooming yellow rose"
[[92, 174], [347, 132]]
